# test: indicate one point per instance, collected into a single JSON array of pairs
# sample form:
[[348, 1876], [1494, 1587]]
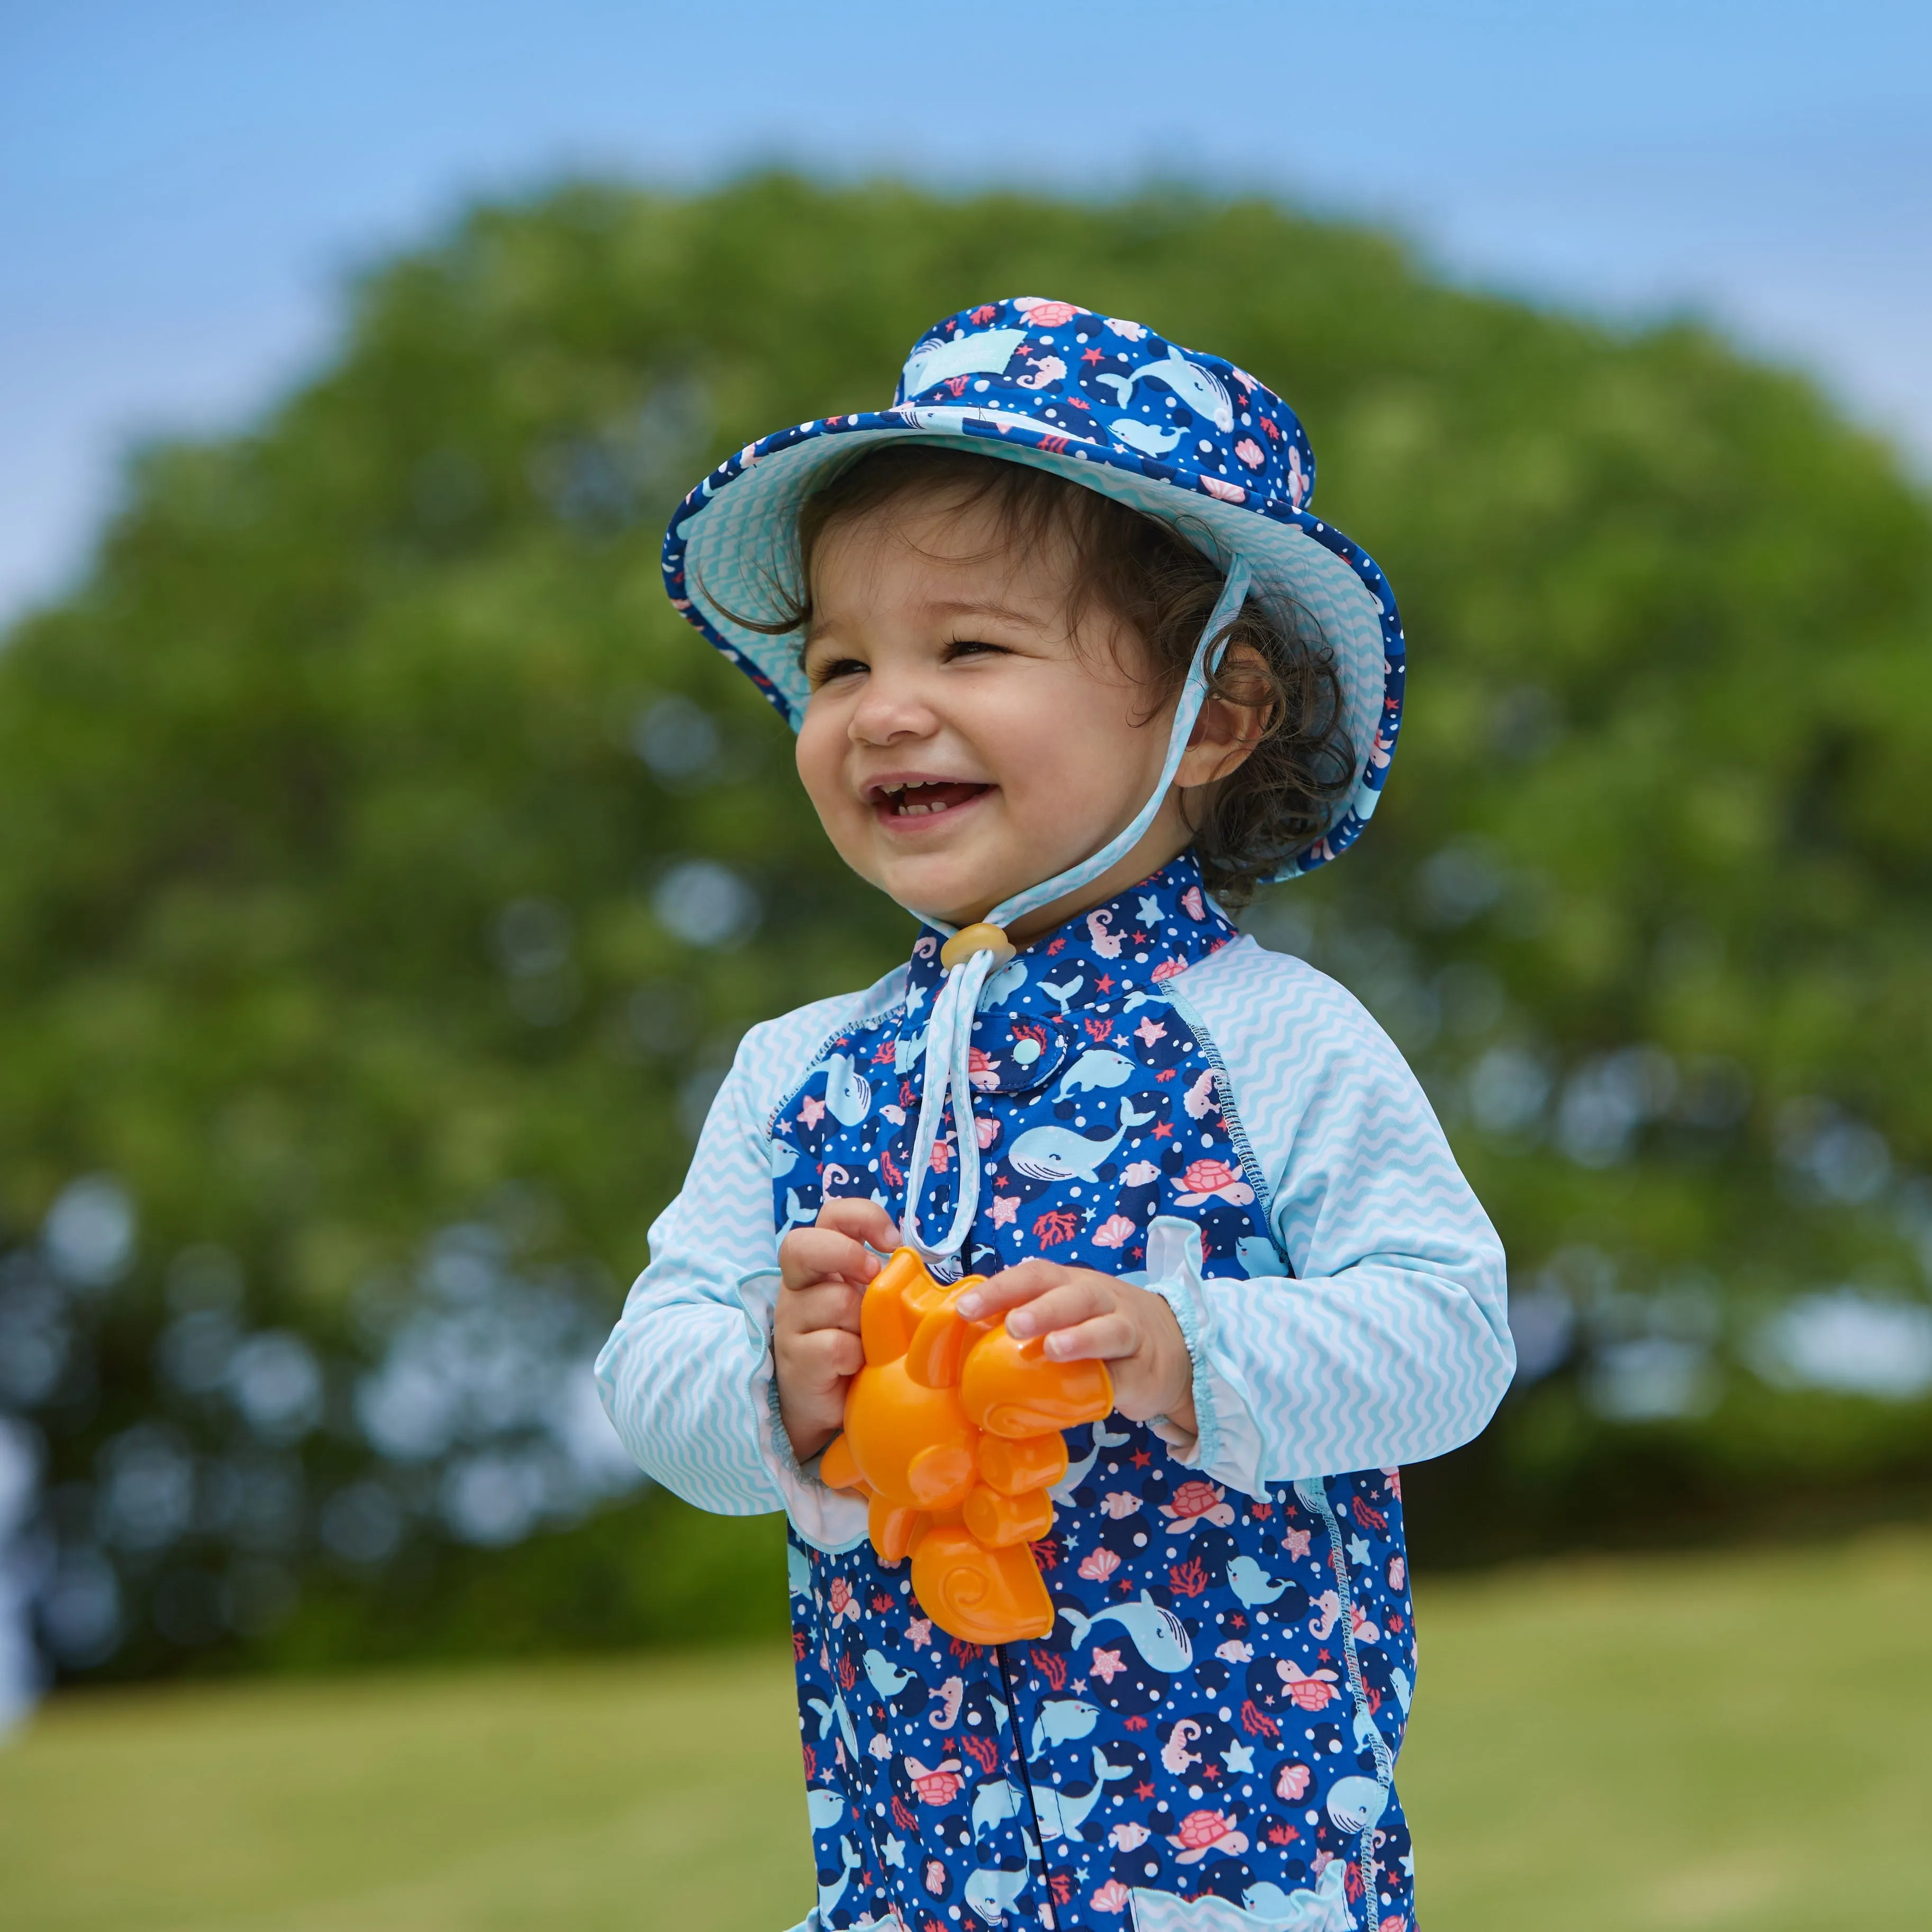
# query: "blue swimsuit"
[[1207, 1738]]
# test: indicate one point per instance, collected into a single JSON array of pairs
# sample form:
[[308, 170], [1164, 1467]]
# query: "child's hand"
[[1089, 1317], [815, 1347]]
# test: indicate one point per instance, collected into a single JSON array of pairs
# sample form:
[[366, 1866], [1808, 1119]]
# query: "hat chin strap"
[[971, 956]]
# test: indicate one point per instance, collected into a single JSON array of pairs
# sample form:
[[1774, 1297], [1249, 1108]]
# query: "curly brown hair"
[[1147, 575]]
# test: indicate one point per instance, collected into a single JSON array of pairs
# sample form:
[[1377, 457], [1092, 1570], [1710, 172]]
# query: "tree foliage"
[[386, 874]]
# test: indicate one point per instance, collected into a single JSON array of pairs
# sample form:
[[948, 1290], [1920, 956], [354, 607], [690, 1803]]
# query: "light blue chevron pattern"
[[686, 1375], [1389, 1343]]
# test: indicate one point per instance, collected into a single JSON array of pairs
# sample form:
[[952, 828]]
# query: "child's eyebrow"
[[973, 607], [940, 609]]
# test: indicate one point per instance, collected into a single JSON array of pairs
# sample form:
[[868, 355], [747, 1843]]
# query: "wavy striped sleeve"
[[686, 1375], [1389, 1342]]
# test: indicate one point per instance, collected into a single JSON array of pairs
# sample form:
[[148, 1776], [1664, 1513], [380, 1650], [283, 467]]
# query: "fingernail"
[[970, 1305]]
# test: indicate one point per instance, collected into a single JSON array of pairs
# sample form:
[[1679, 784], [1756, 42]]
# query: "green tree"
[[386, 874]]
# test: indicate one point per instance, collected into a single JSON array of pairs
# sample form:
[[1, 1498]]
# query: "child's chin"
[[950, 892]]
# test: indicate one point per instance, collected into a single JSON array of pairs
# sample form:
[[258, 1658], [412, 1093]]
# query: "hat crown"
[[1100, 380]]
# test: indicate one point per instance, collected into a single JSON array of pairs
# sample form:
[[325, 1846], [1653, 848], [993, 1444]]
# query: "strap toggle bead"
[[980, 938]]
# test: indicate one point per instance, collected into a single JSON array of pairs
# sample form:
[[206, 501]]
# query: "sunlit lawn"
[[1741, 1742]]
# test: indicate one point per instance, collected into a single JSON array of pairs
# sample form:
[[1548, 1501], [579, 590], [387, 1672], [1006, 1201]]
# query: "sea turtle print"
[[1217, 1709]]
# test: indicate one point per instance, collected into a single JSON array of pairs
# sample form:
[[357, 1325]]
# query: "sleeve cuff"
[[827, 1519], [1226, 1443]]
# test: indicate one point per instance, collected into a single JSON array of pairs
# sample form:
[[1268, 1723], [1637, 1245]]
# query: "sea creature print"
[[1103, 1437], [1060, 1720], [848, 1092], [1049, 369], [1144, 436], [1203, 1831], [829, 1895], [1198, 1502], [1212, 1180], [1062, 1814], [1201, 389], [1174, 1754], [1155, 1631], [1095, 1068], [1058, 1154], [1252, 1584], [991, 1891]]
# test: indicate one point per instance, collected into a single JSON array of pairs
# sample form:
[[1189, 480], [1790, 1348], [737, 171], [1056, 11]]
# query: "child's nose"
[[892, 708]]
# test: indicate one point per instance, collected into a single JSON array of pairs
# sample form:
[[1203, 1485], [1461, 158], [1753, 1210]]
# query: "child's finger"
[[1107, 1338], [829, 1355], [864, 1220], [808, 1255], [1008, 1289], [1061, 1306], [822, 1304]]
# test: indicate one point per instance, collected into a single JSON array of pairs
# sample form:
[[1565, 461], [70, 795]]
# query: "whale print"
[[848, 1092], [1077, 1472], [1097, 1068], [1201, 389], [1063, 1813], [1059, 1719], [1059, 1154], [1155, 1632], [1144, 436]]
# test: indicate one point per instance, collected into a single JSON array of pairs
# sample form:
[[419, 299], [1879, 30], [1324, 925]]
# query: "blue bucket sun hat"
[[1188, 439]]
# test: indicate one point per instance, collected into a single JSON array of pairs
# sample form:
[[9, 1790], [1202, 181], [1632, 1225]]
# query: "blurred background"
[[387, 875]]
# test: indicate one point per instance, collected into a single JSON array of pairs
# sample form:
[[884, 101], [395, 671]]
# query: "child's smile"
[[962, 741], [913, 801]]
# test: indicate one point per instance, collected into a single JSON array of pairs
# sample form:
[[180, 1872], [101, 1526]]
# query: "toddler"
[[1073, 668]]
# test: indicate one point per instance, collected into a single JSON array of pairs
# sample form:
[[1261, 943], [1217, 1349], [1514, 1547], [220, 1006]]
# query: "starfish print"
[[1141, 1459], [1143, 1791], [1163, 1129], [1104, 984], [1005, 1207], [1149, 1031], [811, 1111], [1093, 356]]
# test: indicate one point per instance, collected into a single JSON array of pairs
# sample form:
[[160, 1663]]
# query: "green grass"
[[1737, 1741]]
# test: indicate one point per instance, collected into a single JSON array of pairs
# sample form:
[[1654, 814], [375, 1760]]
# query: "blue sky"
[[183, 183]]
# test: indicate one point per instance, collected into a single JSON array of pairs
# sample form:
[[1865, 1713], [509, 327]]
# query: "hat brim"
[[732, 542]]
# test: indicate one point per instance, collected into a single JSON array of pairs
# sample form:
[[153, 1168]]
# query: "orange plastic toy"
[[952, 1435]]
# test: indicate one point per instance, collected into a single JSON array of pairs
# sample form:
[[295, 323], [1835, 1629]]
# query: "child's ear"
[[1228, 729]]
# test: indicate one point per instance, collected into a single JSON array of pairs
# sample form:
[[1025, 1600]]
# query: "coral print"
[[1193, 1703]]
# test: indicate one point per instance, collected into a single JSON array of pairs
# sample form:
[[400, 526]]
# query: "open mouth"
[[925, 798]]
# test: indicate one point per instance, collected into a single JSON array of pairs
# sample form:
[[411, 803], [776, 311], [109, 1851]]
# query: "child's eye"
[[973, 647], [832, 669]]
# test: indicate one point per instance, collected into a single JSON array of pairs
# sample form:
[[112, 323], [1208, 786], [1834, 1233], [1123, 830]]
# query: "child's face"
[[960, 744]]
